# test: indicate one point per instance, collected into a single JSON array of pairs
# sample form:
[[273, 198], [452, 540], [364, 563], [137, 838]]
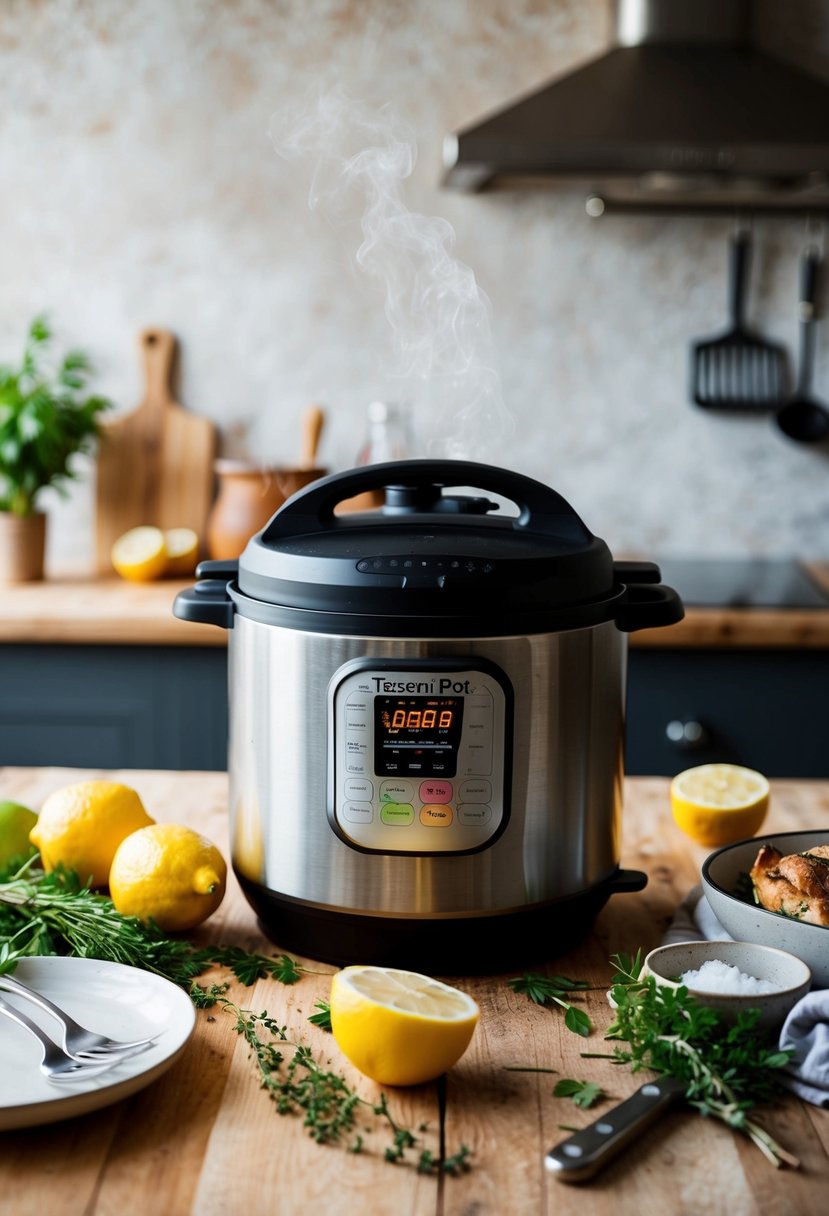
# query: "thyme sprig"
[[299, 1084], [727, 1070]]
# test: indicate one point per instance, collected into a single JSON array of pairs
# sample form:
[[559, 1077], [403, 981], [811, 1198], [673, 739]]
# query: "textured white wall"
[[140, 187]]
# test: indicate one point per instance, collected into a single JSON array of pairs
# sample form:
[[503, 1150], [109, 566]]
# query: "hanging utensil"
[[738, 370], [804, 418]]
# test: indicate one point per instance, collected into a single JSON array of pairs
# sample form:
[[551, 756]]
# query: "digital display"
[[417, 736]]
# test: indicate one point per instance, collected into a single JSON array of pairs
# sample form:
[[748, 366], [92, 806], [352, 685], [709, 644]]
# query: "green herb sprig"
[[727, 1070], [329, 1106], [554, 990], [583, 1093], [54, 913]]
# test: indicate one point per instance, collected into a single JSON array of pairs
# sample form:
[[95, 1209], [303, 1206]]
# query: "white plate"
[[120, 1001]]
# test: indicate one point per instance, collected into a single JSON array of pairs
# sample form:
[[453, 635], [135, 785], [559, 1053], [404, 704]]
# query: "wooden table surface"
[[204, 1138]]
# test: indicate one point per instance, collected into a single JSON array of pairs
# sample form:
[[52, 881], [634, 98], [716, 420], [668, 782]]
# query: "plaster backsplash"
[[140, 187]]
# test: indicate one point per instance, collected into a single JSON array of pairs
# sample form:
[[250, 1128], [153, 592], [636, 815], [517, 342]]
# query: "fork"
[[76, 1040], [55, 1063]]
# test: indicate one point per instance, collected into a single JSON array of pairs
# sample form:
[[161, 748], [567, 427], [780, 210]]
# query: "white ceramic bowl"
[[790, 976], [723, 874]]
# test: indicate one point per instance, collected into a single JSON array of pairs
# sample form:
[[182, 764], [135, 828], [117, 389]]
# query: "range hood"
[[684, 110]]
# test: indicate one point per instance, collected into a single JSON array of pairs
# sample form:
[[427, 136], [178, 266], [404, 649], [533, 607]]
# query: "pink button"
[[435, 791]]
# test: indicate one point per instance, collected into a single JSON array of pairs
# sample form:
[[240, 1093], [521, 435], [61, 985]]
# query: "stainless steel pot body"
[[562, 835]]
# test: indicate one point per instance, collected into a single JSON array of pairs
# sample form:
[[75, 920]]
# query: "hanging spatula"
[[803, 417], [738, 370]]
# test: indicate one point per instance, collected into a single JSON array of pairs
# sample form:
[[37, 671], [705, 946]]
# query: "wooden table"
[[205, 1139]]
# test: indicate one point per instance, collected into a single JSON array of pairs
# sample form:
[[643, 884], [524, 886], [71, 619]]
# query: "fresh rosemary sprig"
[[300, 1085], [727, 1070], [552, 990], [54, 913]]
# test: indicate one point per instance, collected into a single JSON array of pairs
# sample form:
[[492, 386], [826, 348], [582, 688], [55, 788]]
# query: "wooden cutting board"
[[155, 464]]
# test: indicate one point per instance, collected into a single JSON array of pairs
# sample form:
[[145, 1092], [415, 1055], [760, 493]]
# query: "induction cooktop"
[[742, 582]]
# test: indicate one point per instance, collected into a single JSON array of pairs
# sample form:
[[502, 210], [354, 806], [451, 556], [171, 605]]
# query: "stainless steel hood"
[[682, 111]]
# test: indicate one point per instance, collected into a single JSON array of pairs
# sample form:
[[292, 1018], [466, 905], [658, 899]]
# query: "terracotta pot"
[[246, 498], [22, 547]]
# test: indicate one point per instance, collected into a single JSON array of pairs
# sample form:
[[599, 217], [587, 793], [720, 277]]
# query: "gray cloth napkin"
[[805, 1030]]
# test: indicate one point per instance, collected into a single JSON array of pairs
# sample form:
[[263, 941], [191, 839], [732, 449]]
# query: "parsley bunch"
[[727, 1070]]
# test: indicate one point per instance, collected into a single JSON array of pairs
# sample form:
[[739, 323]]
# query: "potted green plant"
[[46, 419]]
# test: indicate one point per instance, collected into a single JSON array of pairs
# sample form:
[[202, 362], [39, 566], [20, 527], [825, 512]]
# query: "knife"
[[583, 1154]]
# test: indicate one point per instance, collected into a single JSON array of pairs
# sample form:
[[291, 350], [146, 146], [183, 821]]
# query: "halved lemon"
[[182, 551], [400, 1027], [717, 804], [140, 554]]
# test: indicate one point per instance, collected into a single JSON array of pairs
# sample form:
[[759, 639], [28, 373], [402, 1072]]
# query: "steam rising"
[[360, 155]]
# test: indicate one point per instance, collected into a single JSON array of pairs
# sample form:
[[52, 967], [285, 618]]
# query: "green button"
[[399, 813]]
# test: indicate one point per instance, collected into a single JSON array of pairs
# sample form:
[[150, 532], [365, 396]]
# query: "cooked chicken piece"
[[796, 885]]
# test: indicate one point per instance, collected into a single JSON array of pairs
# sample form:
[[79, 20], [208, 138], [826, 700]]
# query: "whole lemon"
[[16, 822], [80, 826], [167, 873], [399, 1027]]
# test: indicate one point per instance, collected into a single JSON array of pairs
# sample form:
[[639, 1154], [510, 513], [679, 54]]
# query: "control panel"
[[418, 757]]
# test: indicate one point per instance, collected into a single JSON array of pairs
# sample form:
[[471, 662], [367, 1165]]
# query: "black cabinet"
[[113, 706], [165, 707], [767, 709]]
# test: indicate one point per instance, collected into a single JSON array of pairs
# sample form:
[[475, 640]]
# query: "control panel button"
[[359, 789], [436, 816], [358, 812], [397, 814], [436, 791], [474, 814], [396, 791], [475, 790]]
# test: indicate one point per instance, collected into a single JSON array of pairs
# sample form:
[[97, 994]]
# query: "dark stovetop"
[[742, 582]]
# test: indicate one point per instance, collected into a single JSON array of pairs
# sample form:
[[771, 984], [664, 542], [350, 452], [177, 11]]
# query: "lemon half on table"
[[718, 804], [400, 1027]]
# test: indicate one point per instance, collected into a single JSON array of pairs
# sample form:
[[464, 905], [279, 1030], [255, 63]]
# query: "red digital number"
[[445, 719]]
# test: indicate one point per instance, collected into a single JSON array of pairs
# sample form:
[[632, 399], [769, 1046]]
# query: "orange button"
[[435, 815]]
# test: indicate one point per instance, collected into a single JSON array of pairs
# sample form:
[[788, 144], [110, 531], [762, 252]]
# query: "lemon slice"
[[400, 1027], [140, 554], [717, 804], [182, 551]]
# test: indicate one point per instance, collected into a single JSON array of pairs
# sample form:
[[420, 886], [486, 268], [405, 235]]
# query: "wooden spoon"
[[312, 423]]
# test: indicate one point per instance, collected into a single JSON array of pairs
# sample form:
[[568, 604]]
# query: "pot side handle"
[[208, 602], [648, 606]]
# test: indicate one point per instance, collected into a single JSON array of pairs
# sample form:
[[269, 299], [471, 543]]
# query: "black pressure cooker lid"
[[439, 548]]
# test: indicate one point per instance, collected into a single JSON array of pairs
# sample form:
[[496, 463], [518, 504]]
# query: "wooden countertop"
[[205, 1139], [109, 611]]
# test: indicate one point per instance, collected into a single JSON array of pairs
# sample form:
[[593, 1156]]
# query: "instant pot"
[[427, 706]]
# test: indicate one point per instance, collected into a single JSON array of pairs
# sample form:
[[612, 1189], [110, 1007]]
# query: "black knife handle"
[[581, 1155]]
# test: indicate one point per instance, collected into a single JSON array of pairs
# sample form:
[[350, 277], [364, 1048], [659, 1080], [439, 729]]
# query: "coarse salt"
[[716, 976]]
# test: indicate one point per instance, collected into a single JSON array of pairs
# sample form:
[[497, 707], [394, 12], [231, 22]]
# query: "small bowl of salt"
[[732, 977]]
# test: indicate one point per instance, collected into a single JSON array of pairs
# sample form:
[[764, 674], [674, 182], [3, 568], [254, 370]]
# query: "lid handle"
[[541, 509]]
